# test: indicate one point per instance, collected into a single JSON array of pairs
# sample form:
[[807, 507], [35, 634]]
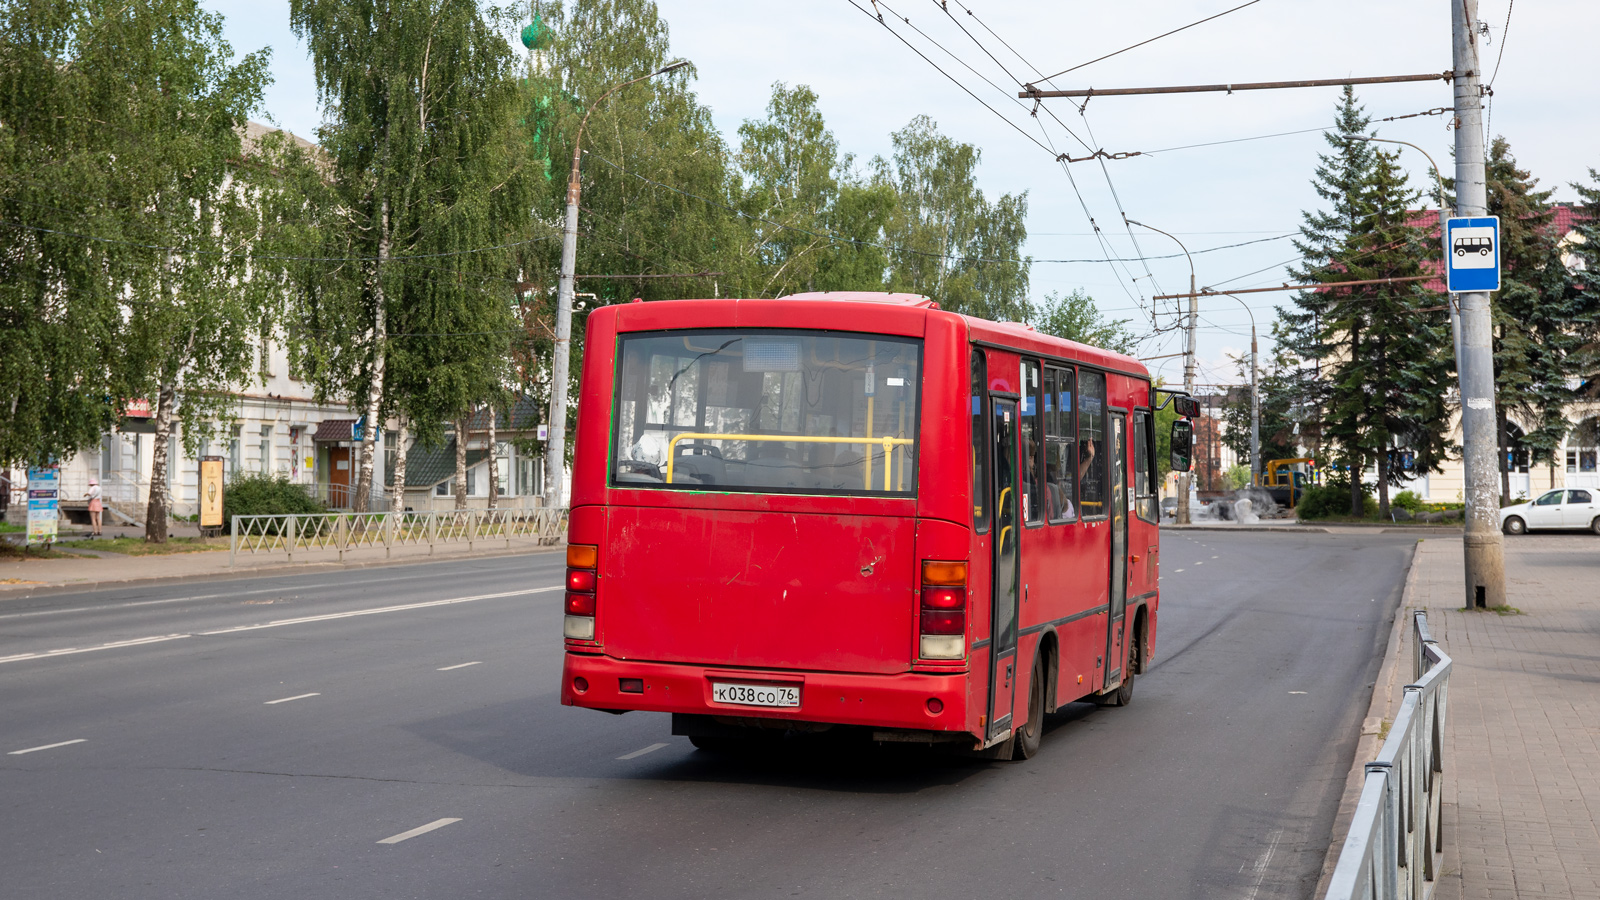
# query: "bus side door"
[[1006, 566], [1116, 637]]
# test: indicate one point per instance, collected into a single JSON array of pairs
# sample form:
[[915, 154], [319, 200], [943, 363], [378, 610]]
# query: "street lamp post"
[[1188, 364], [555, 452], [1255, 399]]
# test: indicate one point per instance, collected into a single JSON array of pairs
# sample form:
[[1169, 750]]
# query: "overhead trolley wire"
[[1094, 152], [1149, 40], [1046, 145]]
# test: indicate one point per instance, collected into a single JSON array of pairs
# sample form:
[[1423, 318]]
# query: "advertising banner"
[[211, 492], [44, 504]]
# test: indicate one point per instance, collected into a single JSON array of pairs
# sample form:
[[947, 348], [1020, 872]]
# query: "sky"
[[1247, 192]]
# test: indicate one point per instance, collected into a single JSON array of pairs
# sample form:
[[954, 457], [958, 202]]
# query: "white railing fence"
[[1395, 844], [345, 532]]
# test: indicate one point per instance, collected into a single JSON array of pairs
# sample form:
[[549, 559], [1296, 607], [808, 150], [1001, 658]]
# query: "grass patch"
[[138, 547], [12, 552], [1383, 730], [8, 528], [1372, 520]]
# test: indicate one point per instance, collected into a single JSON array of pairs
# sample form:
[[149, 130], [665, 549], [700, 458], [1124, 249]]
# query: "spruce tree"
[[1379, 354], [1542, 320]]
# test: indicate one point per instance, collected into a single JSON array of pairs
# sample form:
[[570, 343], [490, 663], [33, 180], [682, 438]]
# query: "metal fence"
[[1395, 843], [344, 532]]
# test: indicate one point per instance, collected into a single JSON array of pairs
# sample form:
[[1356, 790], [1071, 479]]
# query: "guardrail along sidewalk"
[[1395, 845], [1520, 784], [345, 532]]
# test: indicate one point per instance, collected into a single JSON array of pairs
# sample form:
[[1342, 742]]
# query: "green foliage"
[[1408, 500], [1544, 322], [1237, 477], [1279, 385], [949, 241], [430, 185], [122, 122], [265, 495], [1332, 498], [1382, 351], [1076, 318]]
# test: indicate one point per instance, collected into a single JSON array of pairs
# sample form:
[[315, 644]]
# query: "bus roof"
[[885, 308]]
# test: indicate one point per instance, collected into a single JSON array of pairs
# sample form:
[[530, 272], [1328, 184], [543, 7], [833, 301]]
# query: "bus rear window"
[[767, 411]]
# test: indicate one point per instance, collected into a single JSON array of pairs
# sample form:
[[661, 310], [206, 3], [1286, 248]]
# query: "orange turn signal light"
[[583, 556], [939, 572]]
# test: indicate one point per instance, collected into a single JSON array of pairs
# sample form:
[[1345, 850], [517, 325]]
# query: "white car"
[[1560, 508]]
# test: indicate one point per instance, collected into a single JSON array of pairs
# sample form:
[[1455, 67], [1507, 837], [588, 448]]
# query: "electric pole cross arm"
[[1029, 92]]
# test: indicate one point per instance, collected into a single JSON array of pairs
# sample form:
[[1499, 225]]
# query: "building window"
[[265, 451], [234, 432], [391, 450]]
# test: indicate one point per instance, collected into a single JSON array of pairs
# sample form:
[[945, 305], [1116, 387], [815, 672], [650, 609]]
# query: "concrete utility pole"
[[1184, 478], [555, 448], [1485, 559]]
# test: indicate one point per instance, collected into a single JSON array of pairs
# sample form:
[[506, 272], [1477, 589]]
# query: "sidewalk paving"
[[1522, 740], [26, 576]]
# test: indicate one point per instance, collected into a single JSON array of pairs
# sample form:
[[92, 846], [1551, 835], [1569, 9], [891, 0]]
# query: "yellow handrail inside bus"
[[887, 443]]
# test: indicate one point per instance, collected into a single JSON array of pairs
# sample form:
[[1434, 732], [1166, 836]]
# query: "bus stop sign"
[[1472, 254]]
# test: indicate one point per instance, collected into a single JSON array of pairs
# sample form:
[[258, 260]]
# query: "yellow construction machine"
[[1287, 479]]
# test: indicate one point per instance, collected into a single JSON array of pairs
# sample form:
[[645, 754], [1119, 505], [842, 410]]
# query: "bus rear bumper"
[[913, 701]]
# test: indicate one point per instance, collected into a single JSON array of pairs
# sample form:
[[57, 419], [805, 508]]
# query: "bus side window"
[[1060, 435], [980, 445], [1033, 505], [1144, 480], [1092, 452]]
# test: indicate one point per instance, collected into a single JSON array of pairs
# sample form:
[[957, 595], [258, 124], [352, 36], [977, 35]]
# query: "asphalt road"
[[214, 757]]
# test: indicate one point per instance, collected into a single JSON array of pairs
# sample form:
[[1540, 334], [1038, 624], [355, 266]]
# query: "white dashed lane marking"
[[160, 638], [638, 753], [47, 747], [477, 662], [419, 830], [287, 699]]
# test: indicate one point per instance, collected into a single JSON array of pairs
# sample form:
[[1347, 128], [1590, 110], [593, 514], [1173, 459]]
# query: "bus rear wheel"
[[1031, 734], [1123, 695]]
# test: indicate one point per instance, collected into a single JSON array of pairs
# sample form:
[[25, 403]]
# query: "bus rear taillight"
[[582, 579], [944, 610]]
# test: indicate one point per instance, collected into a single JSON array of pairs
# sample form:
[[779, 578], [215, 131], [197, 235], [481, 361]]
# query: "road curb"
[[1381, 710], [1292, 529], [286, 568]]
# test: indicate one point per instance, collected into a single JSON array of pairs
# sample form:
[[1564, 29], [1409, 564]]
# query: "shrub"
[[1408, 501], [1333, 499], [265, 495]]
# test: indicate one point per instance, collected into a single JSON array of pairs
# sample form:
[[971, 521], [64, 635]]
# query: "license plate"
[[754, 694]]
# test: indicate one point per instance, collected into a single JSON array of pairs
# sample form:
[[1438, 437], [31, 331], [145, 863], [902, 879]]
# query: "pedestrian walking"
[[96, 507]]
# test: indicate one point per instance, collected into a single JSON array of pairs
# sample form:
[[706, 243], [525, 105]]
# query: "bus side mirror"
[[1182, 445], [1188, 407]]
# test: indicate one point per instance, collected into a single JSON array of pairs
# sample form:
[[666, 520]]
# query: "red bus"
[[856, 509]]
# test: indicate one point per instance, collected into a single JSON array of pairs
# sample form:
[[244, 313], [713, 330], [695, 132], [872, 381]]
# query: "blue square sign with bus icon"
[[1472, 254]]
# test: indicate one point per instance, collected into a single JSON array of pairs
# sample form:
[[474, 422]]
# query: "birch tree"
[[430, 193]]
